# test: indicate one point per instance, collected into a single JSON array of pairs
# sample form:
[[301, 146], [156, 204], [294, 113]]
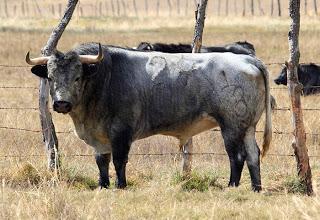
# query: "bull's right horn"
[[36, 61], [91, 59]]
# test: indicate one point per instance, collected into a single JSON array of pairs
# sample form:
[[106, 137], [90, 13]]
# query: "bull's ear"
[[40, 70], [89, 69]]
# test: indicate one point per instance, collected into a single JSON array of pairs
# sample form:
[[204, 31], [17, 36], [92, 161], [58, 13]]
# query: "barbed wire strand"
[[148, 154], [69, 132]]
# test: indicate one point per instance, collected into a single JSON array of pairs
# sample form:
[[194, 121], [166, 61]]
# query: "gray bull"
[[120, 95]]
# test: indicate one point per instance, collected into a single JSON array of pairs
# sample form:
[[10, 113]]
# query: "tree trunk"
[[112, 8], [158, 7], [124, 7], [100, 9], [37, 7], [23, 9], [146, 7], [299, 142], [170, 7], [305, 7], [260, 8], [186, 8], [196, 46], [227, 7], [27, 8], [135, 8], [272, 7], [178, 7], [315, 7], [219, 7], [6, 8], [279, 8], [118, 7], [48, 130], [252, 7], [244, 8], [235, 7]]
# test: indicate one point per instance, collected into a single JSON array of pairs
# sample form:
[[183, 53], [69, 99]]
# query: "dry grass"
[[155, 190]]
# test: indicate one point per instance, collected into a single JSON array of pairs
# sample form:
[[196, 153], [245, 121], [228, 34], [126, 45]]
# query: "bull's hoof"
[[233, 184], [121, 184], [256, 188], [104, 184]]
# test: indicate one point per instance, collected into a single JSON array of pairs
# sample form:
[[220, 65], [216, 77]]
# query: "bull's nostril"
[[62, 106]]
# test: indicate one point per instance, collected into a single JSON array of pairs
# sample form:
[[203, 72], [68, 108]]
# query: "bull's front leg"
[[120, 150], [103, 161]]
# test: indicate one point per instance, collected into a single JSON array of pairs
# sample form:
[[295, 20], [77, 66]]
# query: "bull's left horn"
[[90, 59], [36, 61]]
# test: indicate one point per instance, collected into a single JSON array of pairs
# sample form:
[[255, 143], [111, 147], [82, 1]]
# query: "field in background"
[[28, 191], [159, 8]]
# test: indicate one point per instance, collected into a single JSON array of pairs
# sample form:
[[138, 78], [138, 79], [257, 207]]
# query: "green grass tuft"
[[78, 181], [25, 176], [293, 184], [197, 181]]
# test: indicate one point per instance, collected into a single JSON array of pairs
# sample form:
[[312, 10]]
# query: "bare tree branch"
[[48, 130]]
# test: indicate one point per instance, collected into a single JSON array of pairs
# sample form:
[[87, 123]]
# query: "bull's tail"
[[267, 135]]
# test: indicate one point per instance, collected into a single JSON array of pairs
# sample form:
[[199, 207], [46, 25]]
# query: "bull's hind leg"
[[103, 161], [236, 152], [253, 158]]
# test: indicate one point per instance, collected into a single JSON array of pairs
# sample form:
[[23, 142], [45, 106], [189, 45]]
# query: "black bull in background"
[[308, 76], [240, 47], [116, 96]]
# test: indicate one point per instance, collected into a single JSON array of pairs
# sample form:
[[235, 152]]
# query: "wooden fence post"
[[124, 8], [178, 7], [135, 8], [260, 8], [227, 7], [112, 8], [27, 8], [100, 9], [252, 7], [305, 7], [23, 9], [48, 130], [244, 8], [294, 87], [118, 7], [196, 46], [186, 8], [37, 8], [170, 7], [6, 12], [279, 8], [146, 7], [315, 7]]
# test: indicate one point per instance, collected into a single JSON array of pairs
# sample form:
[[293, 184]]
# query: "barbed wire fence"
[[8, 108]]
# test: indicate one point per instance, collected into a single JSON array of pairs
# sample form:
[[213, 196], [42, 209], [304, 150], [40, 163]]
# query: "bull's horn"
[[36, 61], [90, 59]]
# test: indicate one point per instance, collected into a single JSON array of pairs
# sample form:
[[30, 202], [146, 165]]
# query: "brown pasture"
[[29, 191]]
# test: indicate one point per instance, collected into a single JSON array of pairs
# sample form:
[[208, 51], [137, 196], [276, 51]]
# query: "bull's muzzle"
[[62, 106]]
